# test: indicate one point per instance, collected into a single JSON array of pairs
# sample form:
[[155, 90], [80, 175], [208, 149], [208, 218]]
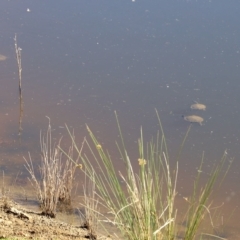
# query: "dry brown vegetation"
[[54, 186]]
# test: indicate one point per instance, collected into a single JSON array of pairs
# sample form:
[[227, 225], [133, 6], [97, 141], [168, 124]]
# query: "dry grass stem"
[[65, 196], [91, 214], [18, 51], [56, 175]]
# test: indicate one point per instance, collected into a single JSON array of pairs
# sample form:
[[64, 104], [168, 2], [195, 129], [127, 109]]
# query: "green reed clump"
[[199, 203], [142, 203]]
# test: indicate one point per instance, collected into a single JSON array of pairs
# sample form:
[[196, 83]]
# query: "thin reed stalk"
[[18, 51]]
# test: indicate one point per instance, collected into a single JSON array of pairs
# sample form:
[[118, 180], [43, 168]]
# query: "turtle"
[[198, 106], [194, 119]]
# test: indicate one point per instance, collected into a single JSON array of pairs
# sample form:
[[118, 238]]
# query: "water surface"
[[84, 60]]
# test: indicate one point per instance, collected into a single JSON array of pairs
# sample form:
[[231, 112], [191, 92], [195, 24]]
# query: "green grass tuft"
[[142, 201]]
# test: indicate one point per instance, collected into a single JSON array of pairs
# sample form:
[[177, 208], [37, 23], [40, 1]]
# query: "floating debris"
[[194, 119], [198, 106], [2, 57]]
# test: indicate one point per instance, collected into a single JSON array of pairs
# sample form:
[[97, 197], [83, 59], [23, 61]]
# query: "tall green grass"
[[142, 201]]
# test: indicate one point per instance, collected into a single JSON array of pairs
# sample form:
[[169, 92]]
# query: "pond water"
[[83, 60]]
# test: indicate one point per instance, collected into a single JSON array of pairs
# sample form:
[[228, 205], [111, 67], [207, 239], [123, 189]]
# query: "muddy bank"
[[21, 223]]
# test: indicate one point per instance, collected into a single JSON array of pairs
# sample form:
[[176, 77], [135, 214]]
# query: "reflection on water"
[[83, 61]]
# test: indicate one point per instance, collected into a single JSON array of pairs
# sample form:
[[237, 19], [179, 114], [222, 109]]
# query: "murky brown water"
[[83, 61]]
